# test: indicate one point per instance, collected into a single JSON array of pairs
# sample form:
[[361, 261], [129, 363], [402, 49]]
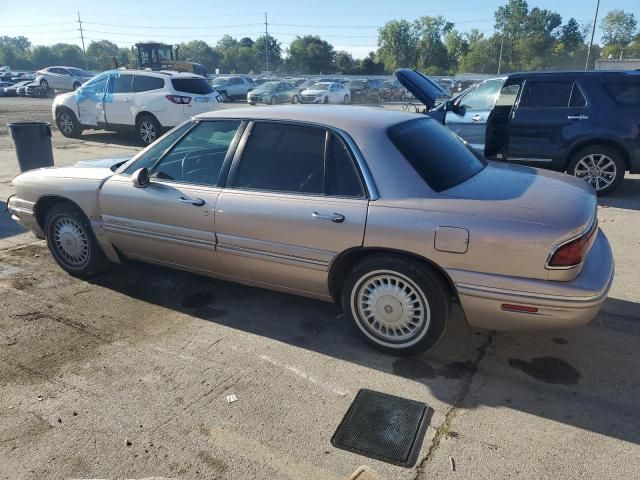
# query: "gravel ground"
[[126, 374]]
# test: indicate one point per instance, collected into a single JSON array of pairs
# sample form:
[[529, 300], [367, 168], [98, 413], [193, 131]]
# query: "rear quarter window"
[[441, 158], [198, 86], [143, 83], [626, 94]]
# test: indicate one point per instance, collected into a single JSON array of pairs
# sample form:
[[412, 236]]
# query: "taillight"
[[178, 99], [572, 253]]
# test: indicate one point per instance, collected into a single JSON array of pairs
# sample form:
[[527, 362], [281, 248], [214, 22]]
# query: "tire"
[[148, 129], [326, 100], [76, 86], [71, 241], [225, 97], [44, 85], [295, 99], [272, 101], [599, 165], [346, 99], [392, 281], [68, 124]]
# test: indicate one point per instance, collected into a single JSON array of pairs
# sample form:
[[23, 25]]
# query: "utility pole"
[[593, 31], [84, 52], [266, 41], [500, 57]]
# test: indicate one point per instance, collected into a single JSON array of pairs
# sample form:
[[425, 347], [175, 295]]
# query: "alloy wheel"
[[147, 132], [65, 123], [70, 241], [599, 170], [391, 308]]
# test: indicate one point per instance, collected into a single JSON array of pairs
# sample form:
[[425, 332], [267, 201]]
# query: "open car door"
[[421, 86], [498, 122]]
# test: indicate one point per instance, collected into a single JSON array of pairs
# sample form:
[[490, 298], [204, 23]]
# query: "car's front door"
[[549, 117], [90, 100], [293, 202], [234, 87], [118, 101], [171, 221], [468, 117]]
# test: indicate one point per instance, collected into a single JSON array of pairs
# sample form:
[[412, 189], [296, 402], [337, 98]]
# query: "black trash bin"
[[33, 144]]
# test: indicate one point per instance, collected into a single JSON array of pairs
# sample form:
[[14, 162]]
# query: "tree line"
[[524, 39]]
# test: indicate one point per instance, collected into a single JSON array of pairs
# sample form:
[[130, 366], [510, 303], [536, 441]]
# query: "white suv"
[[134, 100]]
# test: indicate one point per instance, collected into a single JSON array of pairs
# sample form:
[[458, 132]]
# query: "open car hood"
[[422, 87]]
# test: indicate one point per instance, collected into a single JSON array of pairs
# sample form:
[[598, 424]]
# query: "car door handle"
[[334, 217], [476, 118], [577, 117], [198, 202]]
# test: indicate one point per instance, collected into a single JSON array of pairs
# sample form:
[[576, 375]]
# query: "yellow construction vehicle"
[[160, 56]]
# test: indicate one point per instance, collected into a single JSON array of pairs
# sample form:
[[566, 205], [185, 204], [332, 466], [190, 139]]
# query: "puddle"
[[548, 370], [416, 368], [198, 300]]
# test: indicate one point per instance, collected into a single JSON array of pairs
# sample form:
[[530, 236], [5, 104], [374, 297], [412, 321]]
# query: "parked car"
[[142, 101], [392, 90], [578, 122], [388, 214], [22, 89], [33, 89], [12, 90], [325, 92], [363, 91], [274, 92], [4, 85], [233, 88], [62, 78]]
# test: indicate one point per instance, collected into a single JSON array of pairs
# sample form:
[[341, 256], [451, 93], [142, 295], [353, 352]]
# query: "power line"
[[84, 52], [175, 27]]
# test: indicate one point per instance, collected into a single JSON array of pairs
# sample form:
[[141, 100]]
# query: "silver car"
[[388, 214], [62, 78]]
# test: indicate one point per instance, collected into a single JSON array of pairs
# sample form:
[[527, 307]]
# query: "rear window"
[[441, 158], [192, 85], [626, 94]]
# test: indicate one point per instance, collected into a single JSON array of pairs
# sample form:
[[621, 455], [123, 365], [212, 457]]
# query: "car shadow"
[[627, 196], [8, 227], [127, 139], [567, 377]]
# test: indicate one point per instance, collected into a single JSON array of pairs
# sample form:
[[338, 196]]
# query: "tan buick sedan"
[[386, 213]]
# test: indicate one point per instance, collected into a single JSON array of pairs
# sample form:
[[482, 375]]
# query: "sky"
[[349, 25]]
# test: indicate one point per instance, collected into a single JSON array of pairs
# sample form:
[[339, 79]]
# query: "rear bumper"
[[560, 304]]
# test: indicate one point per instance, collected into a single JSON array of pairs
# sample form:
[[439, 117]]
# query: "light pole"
[[593, 32]]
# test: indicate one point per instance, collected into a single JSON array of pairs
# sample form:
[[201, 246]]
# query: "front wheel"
[[346, 99], [44, 85], [272, 101], [294, 99], [400, 308], [71, 241], [68, 124], [600, 166], [148, 129]]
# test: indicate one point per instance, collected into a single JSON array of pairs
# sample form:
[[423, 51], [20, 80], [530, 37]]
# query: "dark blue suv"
[[584, 123]]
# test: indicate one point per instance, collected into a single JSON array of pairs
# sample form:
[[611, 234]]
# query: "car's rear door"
[[118, 101], [171, 221], [294, 200], [90, 100], [550, 116]]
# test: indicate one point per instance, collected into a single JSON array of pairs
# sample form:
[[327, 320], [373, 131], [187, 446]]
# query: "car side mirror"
[[140, 178]]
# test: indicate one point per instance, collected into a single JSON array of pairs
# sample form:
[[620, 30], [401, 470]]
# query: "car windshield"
[[357, 83], [219, 81], [320, 86], [79, 72], [441, 158], [192, 85], [308, 83]]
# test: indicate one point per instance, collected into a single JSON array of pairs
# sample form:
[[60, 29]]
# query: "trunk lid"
[[422, 87]]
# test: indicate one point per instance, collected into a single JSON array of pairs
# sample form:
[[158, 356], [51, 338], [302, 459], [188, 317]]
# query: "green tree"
[[571, 34], [618, 28], [432, 55], [344, 61], [200, 51], [311, 54], [398, 43], [275, 53], [100, 55]]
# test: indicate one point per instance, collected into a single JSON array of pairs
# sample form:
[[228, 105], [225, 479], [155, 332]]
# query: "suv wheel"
[[600, 166], [148, 129], [68, 124], [399, 307], [71, 241]]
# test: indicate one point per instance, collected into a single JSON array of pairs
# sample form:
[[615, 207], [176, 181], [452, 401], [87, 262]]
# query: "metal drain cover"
[[384, 427]]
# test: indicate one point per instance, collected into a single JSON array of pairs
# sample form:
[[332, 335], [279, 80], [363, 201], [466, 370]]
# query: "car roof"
[[156, 73], [574, 73]]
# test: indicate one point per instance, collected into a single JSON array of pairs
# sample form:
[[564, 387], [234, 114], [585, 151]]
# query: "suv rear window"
[[624, 93], [192, 85], [441, 158]]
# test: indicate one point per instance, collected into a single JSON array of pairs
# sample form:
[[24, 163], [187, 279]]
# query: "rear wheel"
[[272, 101], [399, 307], [346, 99], [148, 129], [68, 124], [71, 241], [326, 100], [600, 166]]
